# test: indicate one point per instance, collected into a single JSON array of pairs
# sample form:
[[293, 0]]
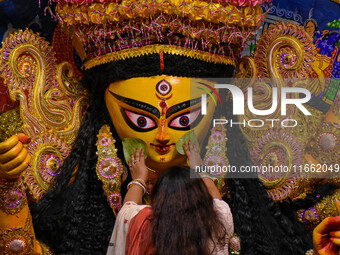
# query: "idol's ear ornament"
[[52, 104]]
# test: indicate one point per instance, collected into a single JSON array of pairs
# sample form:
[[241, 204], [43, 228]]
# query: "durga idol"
[[146, 64]]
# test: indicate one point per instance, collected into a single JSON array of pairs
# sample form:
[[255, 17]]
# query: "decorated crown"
[[110, 30]]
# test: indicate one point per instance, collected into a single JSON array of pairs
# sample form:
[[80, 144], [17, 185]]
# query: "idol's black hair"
[[264, 228], [77, 219]]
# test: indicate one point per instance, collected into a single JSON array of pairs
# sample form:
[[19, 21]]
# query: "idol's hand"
[[137, 166], [193, 155], [326, 236], [14, 158]]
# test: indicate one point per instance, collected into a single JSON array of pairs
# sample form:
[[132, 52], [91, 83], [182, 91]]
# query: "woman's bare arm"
[[139, 171], [195, 160]]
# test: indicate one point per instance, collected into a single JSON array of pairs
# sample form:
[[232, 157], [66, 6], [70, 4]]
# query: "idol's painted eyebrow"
[[178, 107], [137, 104]]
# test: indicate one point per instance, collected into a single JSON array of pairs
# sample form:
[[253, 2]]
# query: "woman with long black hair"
[[188, 215]]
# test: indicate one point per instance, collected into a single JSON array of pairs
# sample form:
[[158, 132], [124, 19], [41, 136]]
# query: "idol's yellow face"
[[159, 110]]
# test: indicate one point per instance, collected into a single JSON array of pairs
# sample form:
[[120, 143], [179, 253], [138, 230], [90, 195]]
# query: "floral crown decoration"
[[213, 31]]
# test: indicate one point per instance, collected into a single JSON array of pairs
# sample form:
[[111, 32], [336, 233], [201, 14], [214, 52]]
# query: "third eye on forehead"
[[164, 88]]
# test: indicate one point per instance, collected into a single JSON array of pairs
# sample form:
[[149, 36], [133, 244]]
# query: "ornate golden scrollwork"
[[284, 56], [246, 68], [246, 73], [285, 50], [281, 150], [51, 104]]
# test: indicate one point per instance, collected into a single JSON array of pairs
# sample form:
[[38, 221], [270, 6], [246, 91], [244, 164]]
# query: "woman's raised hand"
[[137, 166], [193, 155], [14, 158], [326, 237]]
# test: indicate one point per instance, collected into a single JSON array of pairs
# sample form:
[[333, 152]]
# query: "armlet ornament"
[[12, 195]]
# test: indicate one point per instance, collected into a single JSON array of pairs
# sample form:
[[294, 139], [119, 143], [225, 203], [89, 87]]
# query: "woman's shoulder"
[[221, 205]]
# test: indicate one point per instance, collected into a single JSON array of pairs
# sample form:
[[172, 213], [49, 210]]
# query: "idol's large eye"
[[185, 121], [138, 122]]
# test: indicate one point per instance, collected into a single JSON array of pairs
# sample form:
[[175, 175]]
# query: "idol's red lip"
[[161, 148]]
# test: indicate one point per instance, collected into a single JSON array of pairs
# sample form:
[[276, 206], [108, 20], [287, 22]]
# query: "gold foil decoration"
[[102, 13], [52, 105], [284, 53], [10, 124], [158, 48]]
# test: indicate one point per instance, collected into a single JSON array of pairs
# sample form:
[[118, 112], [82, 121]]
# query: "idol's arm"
[[16, 228], [326, 237]]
